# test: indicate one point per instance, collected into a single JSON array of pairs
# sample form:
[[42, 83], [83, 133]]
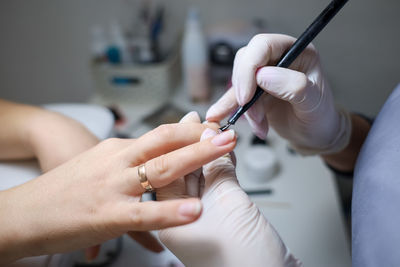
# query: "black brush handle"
[[295, 50]]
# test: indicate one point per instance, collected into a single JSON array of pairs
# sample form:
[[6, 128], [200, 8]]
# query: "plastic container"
[[261, 164], [148, 83]]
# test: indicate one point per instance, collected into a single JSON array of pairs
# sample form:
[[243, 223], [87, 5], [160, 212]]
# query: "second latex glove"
[[231, 230], [298, 102]]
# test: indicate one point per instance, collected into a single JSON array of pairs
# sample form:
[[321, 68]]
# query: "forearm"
[[12, 230], [29, 132], [55, 138], [345, 160], [15, 120]]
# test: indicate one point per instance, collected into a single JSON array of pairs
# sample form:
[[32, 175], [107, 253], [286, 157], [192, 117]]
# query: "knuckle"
[[160, 217], [136, 217], [262, 40], [165, 131], [160, 165], [109, 142], [141, 157], [221, 167], [261, 37]]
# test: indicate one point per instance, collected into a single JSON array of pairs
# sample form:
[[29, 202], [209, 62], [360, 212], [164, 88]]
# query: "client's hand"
[[231, 230], [96, 195]]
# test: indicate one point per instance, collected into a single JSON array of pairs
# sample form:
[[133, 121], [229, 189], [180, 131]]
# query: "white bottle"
[[99, 44], [195, 59], [118, 40]]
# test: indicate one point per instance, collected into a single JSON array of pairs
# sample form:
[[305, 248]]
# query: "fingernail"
[[192, 114], [224, 138], [190, 209], [205, 122], [207, 134], [211, 112], [90, 254], [158, 248]]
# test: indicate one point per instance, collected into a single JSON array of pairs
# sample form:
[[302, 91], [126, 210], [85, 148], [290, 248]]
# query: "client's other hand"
[[231, 230]]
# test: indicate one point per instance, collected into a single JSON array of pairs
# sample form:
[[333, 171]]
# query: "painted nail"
[[190, 209], [207, 134], [224, 138]]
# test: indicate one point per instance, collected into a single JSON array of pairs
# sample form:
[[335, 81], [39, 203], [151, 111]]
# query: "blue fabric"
[[376, 193]]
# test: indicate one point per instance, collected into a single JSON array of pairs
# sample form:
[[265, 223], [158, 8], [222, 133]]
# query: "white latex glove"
[[299, 104], [231, 230]]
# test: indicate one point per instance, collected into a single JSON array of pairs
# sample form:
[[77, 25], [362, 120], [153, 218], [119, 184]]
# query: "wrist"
[[345, 160], [55, 139], [13, 228], [36, 128], [15, 140], [340, 140], [33, 219]]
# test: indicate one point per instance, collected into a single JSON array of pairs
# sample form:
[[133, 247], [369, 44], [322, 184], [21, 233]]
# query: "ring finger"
[[166, 168]]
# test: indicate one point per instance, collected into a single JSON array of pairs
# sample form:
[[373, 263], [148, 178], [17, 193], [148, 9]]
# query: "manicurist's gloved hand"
[[231, 230], [298, 102]]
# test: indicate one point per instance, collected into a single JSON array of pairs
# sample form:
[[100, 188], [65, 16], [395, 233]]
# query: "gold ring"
[[143, 179]]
